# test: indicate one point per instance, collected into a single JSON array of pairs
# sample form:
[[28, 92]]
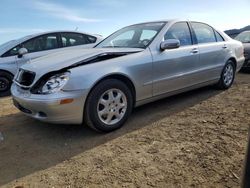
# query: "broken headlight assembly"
[[53, 84]]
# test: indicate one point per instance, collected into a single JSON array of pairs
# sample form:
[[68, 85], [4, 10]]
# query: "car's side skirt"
[[158, 97]]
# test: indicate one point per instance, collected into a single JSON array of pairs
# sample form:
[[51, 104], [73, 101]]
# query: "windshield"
[[135, 36], [243, 37], [10, 44], [7, 44]]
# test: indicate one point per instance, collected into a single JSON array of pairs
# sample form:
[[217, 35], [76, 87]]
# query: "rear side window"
[[181, 32], [204, 33], [75, 39], [219, 37]]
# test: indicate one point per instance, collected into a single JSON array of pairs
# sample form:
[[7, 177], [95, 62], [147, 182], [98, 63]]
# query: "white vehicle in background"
[[37, 45]]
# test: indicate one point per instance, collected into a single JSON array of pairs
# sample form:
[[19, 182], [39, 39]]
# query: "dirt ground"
[[197, 139]]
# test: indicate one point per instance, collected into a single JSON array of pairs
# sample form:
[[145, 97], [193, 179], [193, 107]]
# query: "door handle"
[[194, 51]]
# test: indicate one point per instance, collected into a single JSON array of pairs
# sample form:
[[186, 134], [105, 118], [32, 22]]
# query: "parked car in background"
[[244, 37], [37, 45], [134, 66]]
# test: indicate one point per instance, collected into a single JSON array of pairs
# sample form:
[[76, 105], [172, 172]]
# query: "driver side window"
[[181, 32]]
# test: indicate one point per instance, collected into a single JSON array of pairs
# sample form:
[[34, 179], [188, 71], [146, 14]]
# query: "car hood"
[[72, 58]]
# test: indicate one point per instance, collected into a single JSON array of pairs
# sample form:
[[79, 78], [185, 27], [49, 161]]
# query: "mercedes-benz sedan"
[[136, 65]]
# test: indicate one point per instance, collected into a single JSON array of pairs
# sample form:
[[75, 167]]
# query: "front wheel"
[[108, 105], [227, 76], [5, 83]]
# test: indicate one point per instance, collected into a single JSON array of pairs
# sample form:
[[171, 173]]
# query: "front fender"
[[9, 65], [136, 67]]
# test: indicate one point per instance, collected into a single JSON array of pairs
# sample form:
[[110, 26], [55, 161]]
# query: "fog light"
[[66, 101]]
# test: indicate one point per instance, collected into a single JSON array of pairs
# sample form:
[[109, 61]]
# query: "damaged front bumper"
[[64, 107]]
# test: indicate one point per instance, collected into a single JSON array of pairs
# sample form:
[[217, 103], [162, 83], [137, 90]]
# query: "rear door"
[[173, 69], [212, 49]]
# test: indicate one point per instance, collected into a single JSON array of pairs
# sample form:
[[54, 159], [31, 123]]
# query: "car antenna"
[[76, 29]]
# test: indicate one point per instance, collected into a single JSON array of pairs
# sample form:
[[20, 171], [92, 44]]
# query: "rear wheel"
[[5, 83], [227, 75], [108, 105]]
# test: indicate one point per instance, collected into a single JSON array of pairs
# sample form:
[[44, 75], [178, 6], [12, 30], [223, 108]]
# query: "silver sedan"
[[136, 65], [38, 45]]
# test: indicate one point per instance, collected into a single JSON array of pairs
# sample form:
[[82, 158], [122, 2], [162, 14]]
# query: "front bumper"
[[48, 108]]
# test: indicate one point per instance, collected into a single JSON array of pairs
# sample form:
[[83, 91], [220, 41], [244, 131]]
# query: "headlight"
[[55, 83]]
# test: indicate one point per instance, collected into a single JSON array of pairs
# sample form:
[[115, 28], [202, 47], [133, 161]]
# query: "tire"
[[5, 83], [227, 76], [108, 105]]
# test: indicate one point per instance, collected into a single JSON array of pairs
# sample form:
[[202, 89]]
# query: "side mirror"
[[21, 52], [170, 44]]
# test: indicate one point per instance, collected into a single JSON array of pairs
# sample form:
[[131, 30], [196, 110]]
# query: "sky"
[[21, 18]]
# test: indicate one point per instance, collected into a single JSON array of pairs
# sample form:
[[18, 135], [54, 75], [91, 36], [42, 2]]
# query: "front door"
[[175, 69]]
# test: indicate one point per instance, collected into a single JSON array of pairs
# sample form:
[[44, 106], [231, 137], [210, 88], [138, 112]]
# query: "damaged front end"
[[55, 80]]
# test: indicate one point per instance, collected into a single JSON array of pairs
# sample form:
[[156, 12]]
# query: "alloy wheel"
[[228, 74], [112, 106]]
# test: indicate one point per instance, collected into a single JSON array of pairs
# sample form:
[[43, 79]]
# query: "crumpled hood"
[[65, 58]]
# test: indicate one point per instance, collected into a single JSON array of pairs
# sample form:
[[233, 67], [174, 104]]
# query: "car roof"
[[60, 31], [166, 21], [156, 21]]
